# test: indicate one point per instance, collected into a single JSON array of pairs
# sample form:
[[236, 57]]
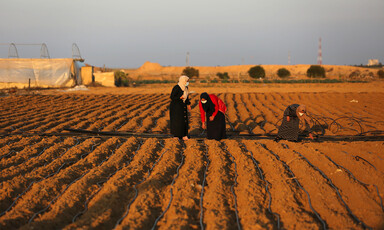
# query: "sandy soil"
[[51, 179], [376, 86]]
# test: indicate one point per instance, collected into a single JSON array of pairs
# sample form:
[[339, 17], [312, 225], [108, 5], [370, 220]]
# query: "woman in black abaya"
[[178, 109], [212, 110]]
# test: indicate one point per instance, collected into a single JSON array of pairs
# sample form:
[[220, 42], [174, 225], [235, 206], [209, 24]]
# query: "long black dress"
[[216, 128], [289, 130], [178, 113]]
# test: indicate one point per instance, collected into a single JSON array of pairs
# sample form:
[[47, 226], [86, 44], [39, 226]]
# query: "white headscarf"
[[182, 83]]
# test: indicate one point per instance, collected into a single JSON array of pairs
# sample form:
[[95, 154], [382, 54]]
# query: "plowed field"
[[54, 179]]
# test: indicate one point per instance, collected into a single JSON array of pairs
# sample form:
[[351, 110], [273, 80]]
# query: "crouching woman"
[[289, 128], [212, 112]]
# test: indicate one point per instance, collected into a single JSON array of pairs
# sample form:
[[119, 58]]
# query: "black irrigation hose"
[[249, 112], [352, 119], [324, 224], [14, 202], [337, 191], [353, 177], [171, 190], [202, 187], [137, 191], [329, 123], [357, 158], [360, 158], [6, 155], [13, 151], [52, 201], [35, 181], [230, 124], [124, 123], [232, 188], [7, 144], [266, 185], [99, 184]]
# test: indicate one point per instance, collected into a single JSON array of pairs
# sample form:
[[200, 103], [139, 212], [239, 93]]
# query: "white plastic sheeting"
[[42, 72]]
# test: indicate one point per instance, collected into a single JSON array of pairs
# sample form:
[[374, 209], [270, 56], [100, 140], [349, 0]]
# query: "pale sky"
[[126, 33]]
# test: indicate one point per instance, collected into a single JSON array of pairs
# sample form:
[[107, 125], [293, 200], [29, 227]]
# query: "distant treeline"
[[370, 66], [140, 82]]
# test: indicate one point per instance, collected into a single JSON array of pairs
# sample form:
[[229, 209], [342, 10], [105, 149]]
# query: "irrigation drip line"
[[8, 144], [249, 112], [50, 203], [57, 197], [37, 181], [357, 158], [6, 155], [230, 124], [350, 174], [100, 183], [233, 186], [136, 190], [14, 151], [171, 189], [355, 218], [266, 184], [202, 187], [230, 134], [335, 125], [324, 224], [360, 158]]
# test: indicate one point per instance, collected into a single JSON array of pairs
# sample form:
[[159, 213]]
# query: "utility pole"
[[289, 57], [319, 55]]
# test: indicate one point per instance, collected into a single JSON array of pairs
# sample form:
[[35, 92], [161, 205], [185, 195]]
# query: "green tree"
[[121, 79], [256, 72], [283, 73], [316, 71], [190, 72], [380, 73], [223, 76]]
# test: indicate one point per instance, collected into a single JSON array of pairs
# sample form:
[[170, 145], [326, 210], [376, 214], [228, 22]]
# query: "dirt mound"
[[150, 67]]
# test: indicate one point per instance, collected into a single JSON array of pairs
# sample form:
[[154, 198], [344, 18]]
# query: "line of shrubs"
[[258, 72], [316, 74]]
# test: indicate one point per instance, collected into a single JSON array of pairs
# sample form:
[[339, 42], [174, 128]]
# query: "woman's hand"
[[204, 126], [288, 119], [211, 118], [182, 98]]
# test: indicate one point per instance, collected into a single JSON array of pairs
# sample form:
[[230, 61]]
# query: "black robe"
[[289, 130], [178, 113], [216, 128]]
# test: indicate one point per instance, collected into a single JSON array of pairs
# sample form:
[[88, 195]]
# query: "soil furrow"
[[72, 201], [110, 203], [43, 192]]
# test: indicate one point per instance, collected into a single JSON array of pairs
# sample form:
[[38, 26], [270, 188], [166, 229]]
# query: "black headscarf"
[[208, 107]]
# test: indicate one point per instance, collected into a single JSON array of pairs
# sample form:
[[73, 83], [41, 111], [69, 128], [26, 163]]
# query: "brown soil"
[[68, 181]]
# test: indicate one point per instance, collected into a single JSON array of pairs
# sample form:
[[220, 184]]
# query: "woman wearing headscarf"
[[178, 109], [289, 129], [212, 110]]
